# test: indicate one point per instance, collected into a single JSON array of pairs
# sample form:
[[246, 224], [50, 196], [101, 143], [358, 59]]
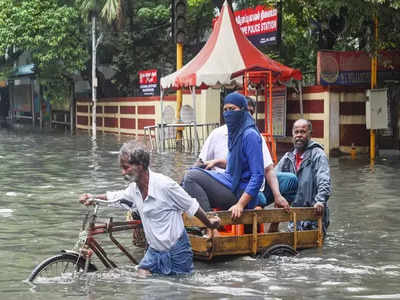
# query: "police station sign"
[[148, 82], [259, 24]]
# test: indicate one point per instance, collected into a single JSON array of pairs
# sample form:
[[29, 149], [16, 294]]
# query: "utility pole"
[[94, 78], [374, 69], [95, 44], [179, 30]]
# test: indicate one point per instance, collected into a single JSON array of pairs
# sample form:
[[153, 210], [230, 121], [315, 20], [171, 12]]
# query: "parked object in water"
[[231, 241], [235, 241], [70, 263]]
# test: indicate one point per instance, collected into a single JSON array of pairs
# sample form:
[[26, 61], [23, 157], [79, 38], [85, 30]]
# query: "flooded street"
[[42, 174]]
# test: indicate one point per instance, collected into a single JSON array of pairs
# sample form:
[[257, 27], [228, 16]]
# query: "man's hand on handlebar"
[[89, 199], [86, 199], [214, 222]]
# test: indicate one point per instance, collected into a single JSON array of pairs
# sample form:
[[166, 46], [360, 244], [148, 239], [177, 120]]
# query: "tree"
[[143, 40], [199, 19], [50, 32], [110, 10], [141, 43], [311, 25]]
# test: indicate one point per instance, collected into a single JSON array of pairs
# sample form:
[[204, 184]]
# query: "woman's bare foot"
[[143, 273]]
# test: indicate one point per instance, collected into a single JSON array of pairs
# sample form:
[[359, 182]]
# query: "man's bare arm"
[[212, 222]]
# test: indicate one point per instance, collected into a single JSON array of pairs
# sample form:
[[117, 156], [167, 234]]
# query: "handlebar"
[[102, 202]]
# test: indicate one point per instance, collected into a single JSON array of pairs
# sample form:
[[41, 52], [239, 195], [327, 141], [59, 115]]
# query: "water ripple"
[[40, 215]]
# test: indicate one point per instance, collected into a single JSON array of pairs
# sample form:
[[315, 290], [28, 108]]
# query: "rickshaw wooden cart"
[[73, 262], [236, 242]]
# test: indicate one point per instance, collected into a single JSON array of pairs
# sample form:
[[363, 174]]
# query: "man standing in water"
[[160, 202], [310, 164]]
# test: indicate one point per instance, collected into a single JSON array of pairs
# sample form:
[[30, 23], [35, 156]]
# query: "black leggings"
[[209, 192]]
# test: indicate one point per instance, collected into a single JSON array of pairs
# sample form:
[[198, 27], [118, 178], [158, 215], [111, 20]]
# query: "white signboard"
[[377, 113], [169, 118], [187, 114], [279, 96]]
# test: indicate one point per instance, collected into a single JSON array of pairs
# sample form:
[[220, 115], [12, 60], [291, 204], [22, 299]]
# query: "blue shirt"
[[251, 158]]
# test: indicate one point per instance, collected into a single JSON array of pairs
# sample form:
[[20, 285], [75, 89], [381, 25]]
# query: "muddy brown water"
[[42, 173]]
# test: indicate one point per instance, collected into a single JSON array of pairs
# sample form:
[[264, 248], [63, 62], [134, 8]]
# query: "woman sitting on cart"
[[237, 188]]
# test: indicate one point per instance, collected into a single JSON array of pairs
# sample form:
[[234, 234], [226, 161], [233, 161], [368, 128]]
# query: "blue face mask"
[[233, 119]]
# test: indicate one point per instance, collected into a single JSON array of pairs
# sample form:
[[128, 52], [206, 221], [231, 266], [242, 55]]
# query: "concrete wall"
[[118, 115], [130, 115], [337, 115], [352, 120]]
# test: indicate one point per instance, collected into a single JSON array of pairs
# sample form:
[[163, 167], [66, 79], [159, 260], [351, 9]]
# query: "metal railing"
[[60, 117], [162, 137]]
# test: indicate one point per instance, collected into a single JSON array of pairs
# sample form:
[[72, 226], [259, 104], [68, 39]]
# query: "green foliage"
[[300, 42], [7, 65], [157, 13], [109, 10], [49, 32], [199, 19], [143, 41], [137, 36]]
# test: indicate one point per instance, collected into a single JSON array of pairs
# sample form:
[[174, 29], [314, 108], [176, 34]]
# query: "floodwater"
[[42, 173]]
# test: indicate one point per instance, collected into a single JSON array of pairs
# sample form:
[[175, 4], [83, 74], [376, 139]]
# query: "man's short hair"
[[309, 124], [135, 153]]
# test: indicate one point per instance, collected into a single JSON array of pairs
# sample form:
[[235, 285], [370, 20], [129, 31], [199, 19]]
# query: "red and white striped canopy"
[[227, 54]]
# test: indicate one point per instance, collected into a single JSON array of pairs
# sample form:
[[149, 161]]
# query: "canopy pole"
[[255, 108], [197, 142], [301, 98], [32, 101], [161, 135]]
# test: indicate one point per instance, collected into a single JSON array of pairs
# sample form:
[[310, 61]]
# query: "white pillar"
[[94, 78]]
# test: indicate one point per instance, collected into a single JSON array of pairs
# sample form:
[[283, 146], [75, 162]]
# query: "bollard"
[[353, 151]]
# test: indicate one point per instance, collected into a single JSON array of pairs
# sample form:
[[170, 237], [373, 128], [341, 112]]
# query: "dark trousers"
[[209, 192]]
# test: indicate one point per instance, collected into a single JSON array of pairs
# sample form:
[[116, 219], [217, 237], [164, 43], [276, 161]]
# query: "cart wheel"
[[64, 264], [279, 250]]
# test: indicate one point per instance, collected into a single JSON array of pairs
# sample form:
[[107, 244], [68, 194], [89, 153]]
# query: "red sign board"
[[259, 24], [148, 81], [148, 76]]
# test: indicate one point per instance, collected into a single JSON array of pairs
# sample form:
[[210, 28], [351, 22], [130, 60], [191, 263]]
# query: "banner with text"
[[148, 82], [259, 24], [354, 67]]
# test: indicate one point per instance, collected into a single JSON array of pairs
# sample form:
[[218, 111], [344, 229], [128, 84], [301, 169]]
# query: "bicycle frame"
[[110, 227]]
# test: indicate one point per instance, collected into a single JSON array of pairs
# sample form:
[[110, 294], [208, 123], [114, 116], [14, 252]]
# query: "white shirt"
[[216, 146], [161, 211]]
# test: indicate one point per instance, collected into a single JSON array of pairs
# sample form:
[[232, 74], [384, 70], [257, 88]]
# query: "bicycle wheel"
[[279, 250], [60, 267]]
